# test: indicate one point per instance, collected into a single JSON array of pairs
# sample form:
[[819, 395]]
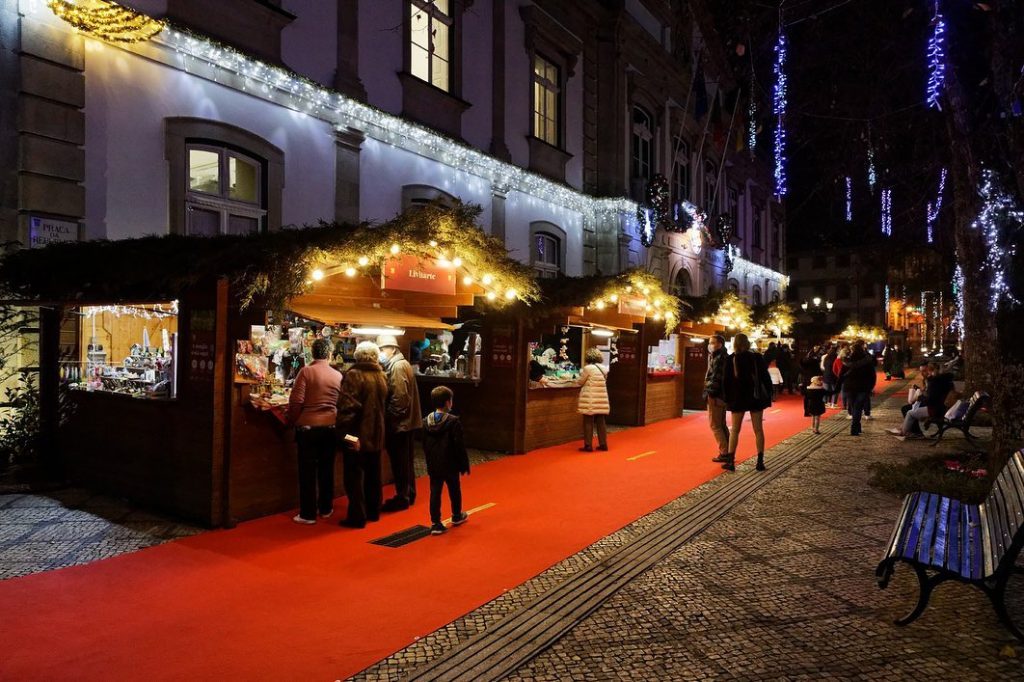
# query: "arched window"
[[681, 171], [224, 193], [414, 196], [547, 249], [734, 286], [682, 285], [775, 297], [643, 143], [756, 295]]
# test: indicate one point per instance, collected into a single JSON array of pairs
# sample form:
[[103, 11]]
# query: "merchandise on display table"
[[144, 370], [448, 355], [555, 360]]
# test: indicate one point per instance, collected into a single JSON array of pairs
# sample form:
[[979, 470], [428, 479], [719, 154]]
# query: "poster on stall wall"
[[502, 347], [202, 346], [410, 273], [627, 349]]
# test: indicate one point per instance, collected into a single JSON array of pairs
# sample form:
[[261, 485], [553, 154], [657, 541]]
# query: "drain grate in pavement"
[[402, 537]]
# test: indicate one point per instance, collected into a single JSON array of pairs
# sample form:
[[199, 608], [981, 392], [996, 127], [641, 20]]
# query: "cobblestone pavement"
[[781, 588], [71, 526]]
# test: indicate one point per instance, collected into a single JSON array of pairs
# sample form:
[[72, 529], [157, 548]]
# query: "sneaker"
[[896, 432], [868, 417], [849, 416], [437, 529], [460, 519], [306, 522], [721, 458], [327, 515], [817, 432], [901, 438]]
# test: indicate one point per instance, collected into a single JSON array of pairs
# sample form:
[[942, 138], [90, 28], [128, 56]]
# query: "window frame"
[[221, 202], [640, 142], [681, 176], [548, 231], [710, 180], [434, 14], [547, 85], [757, 226]]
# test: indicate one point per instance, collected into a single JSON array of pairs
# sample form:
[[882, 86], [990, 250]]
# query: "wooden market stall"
[[532, 356], [174, 359]]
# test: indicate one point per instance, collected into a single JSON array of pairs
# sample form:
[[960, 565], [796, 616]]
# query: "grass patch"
[[953, 475]]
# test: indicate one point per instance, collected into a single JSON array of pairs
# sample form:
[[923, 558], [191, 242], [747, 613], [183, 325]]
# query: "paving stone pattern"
[[781, 588], [72, 526]]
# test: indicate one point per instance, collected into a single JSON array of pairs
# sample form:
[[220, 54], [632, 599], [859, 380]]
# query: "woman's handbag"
[[761, 396]]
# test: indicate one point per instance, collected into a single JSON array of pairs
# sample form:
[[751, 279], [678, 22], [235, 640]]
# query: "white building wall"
[[127, 99]]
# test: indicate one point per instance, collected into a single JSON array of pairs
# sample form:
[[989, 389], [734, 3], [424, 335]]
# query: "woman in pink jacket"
[[593, 403]]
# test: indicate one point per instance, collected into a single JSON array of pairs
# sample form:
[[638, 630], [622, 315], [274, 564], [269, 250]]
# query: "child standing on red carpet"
[[447, 458], [814, 402]]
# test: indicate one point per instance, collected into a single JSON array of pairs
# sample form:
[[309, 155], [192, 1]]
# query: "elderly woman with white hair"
[[361, 413]]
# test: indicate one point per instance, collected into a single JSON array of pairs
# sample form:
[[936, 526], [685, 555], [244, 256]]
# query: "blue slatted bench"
[[945, 539]]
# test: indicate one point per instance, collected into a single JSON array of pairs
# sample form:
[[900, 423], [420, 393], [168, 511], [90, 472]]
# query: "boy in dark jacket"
[[447, 458]]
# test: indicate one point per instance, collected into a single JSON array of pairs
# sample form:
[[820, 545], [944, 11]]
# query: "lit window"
[[430, 31], [546, 95], [224, 192], [547, 254], [643, 137]]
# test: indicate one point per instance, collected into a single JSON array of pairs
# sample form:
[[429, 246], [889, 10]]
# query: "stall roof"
[[383, 317]]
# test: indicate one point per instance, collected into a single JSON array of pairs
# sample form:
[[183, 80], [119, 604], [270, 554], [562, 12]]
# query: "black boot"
[[760, 461], [722, 457], [729, 463]]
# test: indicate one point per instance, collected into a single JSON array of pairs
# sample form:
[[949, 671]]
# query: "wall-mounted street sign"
[[43, 231]]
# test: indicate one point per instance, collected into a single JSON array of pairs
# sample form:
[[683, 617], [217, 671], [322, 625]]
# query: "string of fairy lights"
[[779, 104], [107, 20], [887, 211], [932, 212], [936, 59]]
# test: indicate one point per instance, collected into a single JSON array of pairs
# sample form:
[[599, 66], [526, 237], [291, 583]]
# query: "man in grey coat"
[[403, 420]]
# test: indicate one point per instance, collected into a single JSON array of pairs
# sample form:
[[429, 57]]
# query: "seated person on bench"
[[931, 402]]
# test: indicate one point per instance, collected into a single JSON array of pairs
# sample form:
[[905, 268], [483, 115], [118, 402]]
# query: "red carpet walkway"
[[273, 600]]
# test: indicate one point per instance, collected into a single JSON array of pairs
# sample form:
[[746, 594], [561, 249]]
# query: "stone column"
[[346, 77], [499, 194], [50, 124], [347, 144]]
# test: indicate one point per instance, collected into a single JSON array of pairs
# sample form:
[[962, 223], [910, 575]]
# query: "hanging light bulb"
[[614, 298], [433, 244], [457, 262], [490, 296], [487, 279], [395, 248], [510, 294], [467, 280], [317, 274], [350, 271], [363, 261], [444, 262], [599, 305]]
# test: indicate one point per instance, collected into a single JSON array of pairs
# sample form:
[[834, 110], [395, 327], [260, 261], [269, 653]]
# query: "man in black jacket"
[[714, 393], [858, 379]]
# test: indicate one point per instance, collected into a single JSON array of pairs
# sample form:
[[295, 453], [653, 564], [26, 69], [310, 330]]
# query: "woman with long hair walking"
[[748, 388]]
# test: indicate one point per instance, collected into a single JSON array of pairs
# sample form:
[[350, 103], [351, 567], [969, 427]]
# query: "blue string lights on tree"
[[998, 211], [958, 297], [935, 207], [872, 174], [887, 212], [936, 59], [849, 199], [779, 110]]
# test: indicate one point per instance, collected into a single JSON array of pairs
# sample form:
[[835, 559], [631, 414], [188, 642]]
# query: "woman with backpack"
[[748, 388]]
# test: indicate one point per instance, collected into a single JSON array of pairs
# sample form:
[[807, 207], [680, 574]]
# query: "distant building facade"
[[840, 287]]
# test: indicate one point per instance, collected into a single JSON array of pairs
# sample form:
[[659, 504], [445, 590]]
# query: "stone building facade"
[[255, 114]]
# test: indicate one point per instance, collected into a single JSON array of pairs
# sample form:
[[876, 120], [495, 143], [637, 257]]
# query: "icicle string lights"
[[935, 207], [779, 110], [936, 59], [998, 208], [887, 212], [886, 304], [752, 120], [849, 199]]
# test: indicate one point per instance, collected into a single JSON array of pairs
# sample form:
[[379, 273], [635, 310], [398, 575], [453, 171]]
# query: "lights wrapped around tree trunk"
[[106, 20], [958, 299], [779, 110], [935, 207], [849, 199], [998, 211]]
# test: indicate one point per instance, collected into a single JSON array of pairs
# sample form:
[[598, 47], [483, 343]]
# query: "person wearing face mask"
[[714, 393], [403, 420]]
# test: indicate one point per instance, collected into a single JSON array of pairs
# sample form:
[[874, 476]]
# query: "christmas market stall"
[[166, 362], [631, 320]]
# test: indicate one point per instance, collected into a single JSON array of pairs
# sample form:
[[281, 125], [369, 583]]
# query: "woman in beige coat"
[[593, 403]]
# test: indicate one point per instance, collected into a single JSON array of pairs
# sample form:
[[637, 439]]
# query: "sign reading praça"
[[43, 231]]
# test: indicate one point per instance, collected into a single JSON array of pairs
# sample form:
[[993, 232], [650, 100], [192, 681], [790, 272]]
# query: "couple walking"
[[739, 383]]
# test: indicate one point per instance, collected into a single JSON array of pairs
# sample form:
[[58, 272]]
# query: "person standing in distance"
[[403, 420], [312, 409], [714, 393]]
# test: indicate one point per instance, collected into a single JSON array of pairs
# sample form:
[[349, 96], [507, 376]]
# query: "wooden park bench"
[[979, 400], [977, 544]]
